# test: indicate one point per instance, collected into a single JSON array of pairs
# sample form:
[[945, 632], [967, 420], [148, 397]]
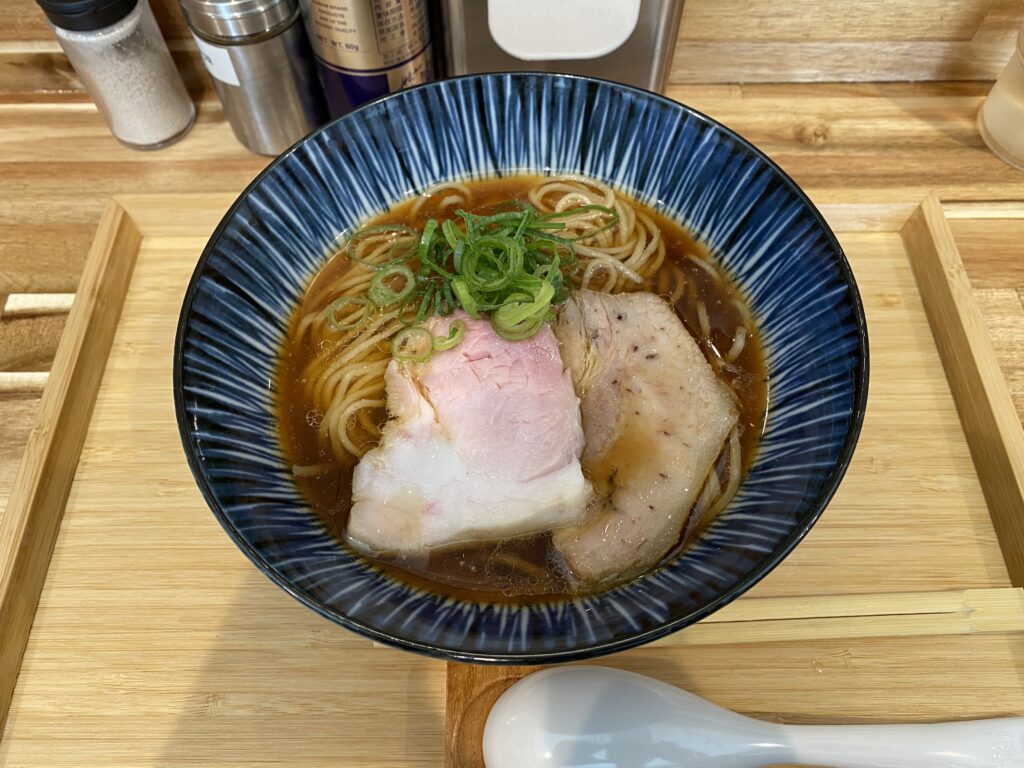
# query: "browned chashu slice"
[[655, 418]]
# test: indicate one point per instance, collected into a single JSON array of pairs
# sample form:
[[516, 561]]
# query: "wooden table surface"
[[861, 143], [843, 143]]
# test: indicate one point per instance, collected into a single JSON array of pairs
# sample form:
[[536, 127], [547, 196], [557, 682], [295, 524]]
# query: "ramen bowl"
[[280, 231]]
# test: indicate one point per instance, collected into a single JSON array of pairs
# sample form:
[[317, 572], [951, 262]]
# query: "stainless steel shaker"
[[260, 62]]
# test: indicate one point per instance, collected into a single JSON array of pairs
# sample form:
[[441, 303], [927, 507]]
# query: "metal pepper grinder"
[[261, 65]]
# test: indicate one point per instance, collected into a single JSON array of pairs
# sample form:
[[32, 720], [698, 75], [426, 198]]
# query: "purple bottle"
[[368, 48]]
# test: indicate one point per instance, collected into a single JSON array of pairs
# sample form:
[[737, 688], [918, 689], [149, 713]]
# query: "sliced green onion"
[[520, 307], [512, 264], [460, 248], [427, 239], [465, 298], [492, 263], [456, 332], [336, 323], [414, 344], [558, 243], [451, 233], [382, 294], [427, 265], [521, 331], [449, 303], [425, 303], [480, 222], [525, 222]]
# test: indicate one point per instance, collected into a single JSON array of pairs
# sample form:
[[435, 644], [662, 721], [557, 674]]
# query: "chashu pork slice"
[[656, 417], [483, 443]]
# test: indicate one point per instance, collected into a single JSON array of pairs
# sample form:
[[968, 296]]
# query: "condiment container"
[[258, 56], [1001, 119], [627, 41], [368, 48], [118, 52]]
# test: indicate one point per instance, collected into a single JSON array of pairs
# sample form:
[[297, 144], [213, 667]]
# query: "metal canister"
[[368, 48], [261, 64]]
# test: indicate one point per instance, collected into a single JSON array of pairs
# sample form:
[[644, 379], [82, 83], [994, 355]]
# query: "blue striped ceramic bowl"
[[752, 216]]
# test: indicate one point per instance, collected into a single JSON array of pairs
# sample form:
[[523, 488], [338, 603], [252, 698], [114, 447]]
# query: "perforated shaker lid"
[[86, 15], [236, 18]]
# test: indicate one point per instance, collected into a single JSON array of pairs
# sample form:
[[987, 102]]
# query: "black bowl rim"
[[586, 652]]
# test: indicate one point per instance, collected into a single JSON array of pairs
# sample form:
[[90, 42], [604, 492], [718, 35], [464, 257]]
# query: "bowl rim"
[[832, 482]]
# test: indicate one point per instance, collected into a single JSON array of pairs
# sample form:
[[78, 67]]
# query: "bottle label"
[[364, 35], [346, 90], [217, 61]]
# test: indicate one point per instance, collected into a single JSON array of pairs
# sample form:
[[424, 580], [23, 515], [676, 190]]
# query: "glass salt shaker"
[[118, 52]]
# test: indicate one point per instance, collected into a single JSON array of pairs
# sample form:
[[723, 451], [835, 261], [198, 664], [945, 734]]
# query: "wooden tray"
[[155, 642]]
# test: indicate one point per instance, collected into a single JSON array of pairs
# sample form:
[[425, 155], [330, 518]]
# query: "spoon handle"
[[973, 744]]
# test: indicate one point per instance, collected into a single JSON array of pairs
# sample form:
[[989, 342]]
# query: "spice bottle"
[[259, 59], [116, 48], [368, 48]]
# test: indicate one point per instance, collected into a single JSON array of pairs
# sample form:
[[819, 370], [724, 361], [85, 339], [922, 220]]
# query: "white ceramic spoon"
[[596, 717]]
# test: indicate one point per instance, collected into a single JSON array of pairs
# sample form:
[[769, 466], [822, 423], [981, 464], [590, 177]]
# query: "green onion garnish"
[[456, 332], [512, 265], [414, 344], [466, 300], [382, 294]]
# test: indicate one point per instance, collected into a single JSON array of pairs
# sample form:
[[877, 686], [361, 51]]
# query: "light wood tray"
[[155, 642]]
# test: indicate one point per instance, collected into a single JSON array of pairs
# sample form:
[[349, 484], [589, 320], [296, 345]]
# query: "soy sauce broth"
[[524, 569]]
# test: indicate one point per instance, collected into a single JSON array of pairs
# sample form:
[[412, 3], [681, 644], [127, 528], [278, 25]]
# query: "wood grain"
[[30, 330], [991, 248], [196, 659], [931, 249], [19, 415], [36, 504], [812, 674], [22, 383], [725, 21], [36, 304], [986, 410], [29, 342], [868, 20], [25, 21], [57, 181], [1003, 312], [719, 41], [927, 473], [762, 41], [916, 614], [39, 72], [836, 617], [867, 144], [470, 692], [989, 243], [946, 516]]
